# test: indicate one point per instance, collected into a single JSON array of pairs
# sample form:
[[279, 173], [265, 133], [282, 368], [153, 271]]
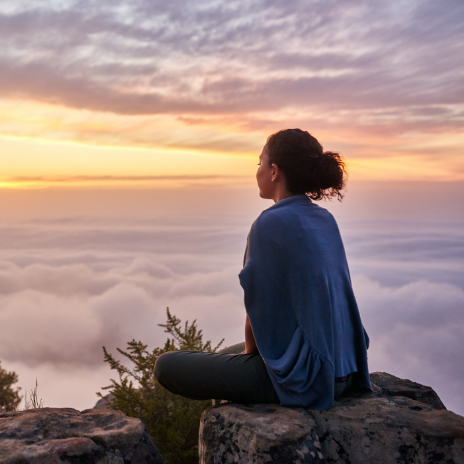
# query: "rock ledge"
[[64, 435], [400, 422]]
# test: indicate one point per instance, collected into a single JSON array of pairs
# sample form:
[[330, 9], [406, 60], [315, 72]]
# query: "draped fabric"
[[300, 302]]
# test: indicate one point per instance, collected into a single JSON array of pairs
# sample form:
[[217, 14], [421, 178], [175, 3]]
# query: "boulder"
[[64, 435], [388, 385], [399, 422], [105, 402], [258, 433]]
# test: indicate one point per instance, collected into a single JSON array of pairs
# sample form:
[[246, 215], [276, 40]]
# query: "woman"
[[304, 340]]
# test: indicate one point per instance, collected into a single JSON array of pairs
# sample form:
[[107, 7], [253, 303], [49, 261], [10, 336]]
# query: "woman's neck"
[[281, 193]]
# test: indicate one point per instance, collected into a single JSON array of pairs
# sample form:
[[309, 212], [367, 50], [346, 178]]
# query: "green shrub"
[[9, 397], [171, 420]]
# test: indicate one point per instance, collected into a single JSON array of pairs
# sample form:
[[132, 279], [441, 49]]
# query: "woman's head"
[[305, 165]]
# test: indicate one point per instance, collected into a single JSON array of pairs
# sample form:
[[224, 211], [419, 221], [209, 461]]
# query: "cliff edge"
[[65, 435], [399, 422]]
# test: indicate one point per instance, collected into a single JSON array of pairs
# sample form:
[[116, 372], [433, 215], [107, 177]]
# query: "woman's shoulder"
[[271, 220]]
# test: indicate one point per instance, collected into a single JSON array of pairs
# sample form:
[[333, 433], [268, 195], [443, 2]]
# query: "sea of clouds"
[[82, 269]]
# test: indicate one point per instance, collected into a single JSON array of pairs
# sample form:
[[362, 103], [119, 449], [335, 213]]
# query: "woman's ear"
[[275, 172]]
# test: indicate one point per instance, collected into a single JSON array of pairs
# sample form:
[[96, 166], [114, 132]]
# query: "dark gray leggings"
[[226, 375]]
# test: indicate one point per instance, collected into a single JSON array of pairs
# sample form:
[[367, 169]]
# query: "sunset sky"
[[139, 89], [129, 137]]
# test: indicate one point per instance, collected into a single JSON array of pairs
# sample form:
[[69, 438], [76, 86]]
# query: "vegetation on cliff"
[[171, 420], [9, 396]]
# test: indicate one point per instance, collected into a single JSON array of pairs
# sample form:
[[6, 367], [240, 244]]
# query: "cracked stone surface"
[[258, 433], [399, 422], [64, 435]]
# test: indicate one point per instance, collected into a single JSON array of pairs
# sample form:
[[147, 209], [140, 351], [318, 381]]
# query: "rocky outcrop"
[[258, 433], [399, 422], [385, 385], [105, 402], [55, 435]]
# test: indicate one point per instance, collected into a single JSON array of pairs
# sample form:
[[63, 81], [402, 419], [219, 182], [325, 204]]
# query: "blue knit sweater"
[[300, 302]]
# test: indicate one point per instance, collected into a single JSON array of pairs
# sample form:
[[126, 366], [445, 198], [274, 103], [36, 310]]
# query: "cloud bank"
[[416, 332], [65, 314], [72, 282]]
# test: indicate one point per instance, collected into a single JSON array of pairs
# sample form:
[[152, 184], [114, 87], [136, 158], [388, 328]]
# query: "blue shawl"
[[300, 302]]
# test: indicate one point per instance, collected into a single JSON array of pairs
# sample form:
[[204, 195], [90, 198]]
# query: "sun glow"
[[45, 145]]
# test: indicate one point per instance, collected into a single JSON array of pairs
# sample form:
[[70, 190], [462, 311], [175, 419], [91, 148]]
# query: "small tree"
[[171, 420], [9, 397]]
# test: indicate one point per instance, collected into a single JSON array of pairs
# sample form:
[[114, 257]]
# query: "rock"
[[258, 433], [389, 430], [389, 385], [104, 402], [64, 435], [399, 422]]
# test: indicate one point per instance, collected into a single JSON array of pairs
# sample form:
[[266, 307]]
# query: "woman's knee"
[[233, 349], [164, 366]]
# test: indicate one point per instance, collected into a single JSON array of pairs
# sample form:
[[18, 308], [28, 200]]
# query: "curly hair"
[[307, 168]]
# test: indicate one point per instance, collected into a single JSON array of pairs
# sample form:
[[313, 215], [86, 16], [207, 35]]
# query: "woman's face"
[[264, 176]]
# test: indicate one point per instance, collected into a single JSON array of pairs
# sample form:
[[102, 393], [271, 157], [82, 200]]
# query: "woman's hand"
[[250, 342]]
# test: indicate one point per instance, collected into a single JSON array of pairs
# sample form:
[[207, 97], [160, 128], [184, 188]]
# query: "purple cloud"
[[230, 59]]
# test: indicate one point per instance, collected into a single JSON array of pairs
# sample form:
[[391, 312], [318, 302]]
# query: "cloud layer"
[[66, 314], [71, 282], [416, 332]]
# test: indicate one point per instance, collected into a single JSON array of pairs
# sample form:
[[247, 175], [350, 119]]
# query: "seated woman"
[[304, 340]]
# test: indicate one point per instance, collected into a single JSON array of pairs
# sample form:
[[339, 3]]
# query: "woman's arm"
[[250, 342]]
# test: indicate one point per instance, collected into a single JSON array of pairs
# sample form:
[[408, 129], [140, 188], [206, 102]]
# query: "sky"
[[129, 138], [136, 89]]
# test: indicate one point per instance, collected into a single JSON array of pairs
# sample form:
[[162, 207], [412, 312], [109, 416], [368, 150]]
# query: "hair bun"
[[307, 168]]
